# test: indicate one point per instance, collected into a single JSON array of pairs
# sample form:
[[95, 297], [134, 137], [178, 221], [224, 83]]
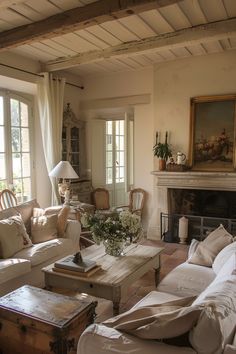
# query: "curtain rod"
[[30, 72]]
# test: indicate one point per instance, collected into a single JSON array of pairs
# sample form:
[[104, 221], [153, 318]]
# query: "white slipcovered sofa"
[[24, 267], [214, 291]]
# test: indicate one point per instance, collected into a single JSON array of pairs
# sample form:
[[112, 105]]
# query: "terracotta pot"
[[162, 164]]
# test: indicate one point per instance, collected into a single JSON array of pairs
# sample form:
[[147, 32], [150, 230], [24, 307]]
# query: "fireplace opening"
[[208, 203], [205, 210]]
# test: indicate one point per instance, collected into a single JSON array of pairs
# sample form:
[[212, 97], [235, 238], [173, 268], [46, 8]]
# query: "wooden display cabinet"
[[73, 141]]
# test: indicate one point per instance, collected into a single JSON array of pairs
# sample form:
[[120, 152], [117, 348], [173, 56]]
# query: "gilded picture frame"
[[212, 133]]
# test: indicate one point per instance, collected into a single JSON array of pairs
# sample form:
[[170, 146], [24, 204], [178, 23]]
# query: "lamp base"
[[67, 197]]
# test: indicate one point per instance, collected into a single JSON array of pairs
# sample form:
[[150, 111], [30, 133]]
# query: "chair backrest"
[[100, 198], [7, 199], [137, 197]]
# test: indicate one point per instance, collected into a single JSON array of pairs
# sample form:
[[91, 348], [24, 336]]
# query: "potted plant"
[[162, 151]]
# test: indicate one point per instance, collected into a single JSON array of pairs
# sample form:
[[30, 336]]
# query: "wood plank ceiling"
[[111, 36]]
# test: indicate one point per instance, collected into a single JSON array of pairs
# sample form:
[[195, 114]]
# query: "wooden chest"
[[37, 321]]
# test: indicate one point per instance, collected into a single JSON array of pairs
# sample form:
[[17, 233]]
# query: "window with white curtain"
[[15, 145]]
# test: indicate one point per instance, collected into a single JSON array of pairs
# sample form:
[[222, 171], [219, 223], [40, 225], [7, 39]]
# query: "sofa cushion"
[[223, 256], [187, 280], [7, 213], [12, 268], [166, 320], [61, 211], [44, 228], [227, 269], [43, 251], [22, 230], [216, 325], [62, 220], [208, 249], [26, 211], [13, 236], [192, 247], [155, 297], [47, 211]]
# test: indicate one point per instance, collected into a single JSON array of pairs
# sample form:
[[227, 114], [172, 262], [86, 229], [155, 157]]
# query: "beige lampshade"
[[63, 170]]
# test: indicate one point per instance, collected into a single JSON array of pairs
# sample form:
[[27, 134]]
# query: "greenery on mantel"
[[162, 150]]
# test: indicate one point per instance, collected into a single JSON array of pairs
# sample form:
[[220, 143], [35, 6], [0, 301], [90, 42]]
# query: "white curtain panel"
[[50, 102]]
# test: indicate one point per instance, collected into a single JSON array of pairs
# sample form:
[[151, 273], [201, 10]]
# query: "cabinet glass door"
[[74, 148]]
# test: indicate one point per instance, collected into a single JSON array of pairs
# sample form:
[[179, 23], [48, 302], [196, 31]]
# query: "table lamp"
[[65, 171]]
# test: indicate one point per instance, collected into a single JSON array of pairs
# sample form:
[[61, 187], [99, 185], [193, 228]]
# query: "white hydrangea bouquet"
[[123, 226], [131, 224]]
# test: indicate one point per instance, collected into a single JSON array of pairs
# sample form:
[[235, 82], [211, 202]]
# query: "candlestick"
[[166, 137]]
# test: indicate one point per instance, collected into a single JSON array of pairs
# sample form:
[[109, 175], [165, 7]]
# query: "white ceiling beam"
[[9, 3], [78, 18], [190, 36]]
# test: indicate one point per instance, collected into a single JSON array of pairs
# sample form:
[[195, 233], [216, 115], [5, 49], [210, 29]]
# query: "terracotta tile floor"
[[173, 255]]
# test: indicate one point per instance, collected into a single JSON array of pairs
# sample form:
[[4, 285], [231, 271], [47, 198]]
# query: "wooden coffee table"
[[115, 276]]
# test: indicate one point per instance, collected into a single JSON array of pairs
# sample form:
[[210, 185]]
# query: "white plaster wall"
[[174, 84], [118, 84]]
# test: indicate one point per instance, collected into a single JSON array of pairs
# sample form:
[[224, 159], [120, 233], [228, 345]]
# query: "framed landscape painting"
[[212, 133]]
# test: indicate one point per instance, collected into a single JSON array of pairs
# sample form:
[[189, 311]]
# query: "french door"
[[112, 157]]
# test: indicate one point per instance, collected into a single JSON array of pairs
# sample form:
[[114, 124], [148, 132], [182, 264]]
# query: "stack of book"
[[67, 266]]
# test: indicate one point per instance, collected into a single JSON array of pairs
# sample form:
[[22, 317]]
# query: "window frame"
[[28, 100]]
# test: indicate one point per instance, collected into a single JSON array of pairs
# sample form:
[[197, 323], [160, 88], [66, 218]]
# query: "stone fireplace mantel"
[[222, 181], [195, 179]]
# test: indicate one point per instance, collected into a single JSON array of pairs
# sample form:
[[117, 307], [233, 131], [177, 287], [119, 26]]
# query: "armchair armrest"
[[137, 211], [121, 207], [104, 340], [73, 231]]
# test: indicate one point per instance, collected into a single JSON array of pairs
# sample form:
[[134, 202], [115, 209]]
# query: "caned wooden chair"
[[7, 199], [100, 198], [101, 201], [137, 198]]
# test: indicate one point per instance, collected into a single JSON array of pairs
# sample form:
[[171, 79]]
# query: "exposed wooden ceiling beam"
[[9, 3], [79, 18], [190, 36]]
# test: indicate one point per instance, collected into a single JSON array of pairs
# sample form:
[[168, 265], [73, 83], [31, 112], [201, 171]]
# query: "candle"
[[183, 229]]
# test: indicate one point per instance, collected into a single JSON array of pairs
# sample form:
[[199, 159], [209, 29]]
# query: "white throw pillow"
[[216, 325], [22, 230], [47, 211], [159, 321], [227, 269], [192, 247], [223, 256], [13, 236], [208, 249], [44, 228]]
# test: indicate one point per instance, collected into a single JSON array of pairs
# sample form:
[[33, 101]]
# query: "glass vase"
[[114, 247], [96, 238]]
